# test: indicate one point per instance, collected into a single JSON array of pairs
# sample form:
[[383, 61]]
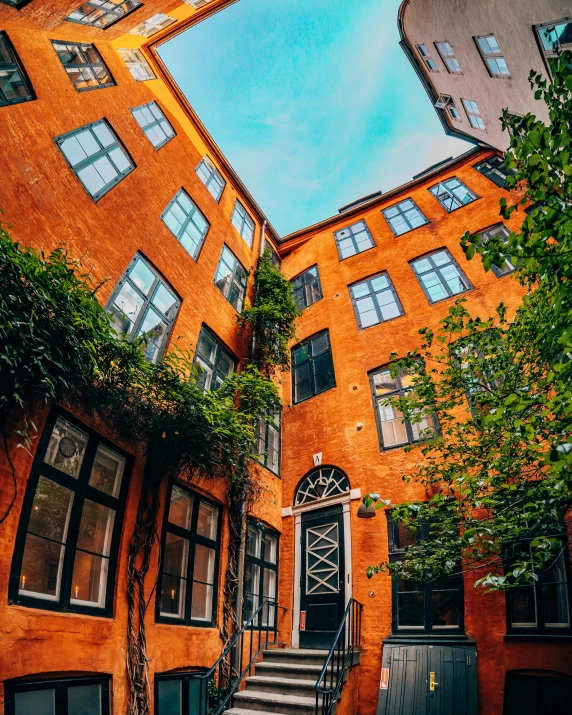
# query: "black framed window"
[[554, 37], [152, 25], [18, 4], [103, 13], [66, 550], [431, 607], [425, 55], [307, 288], [243, 223], [502, 232], [375, 301], [15, 87], [268, 441], [186, 223], [448, 56], [394, 430], [260, 572], [439, 276], [83, 64], [154, 123], [404, 217], [97, 157], [64, 696], [144, 305], [136, 64], [494, 169], [452, 110], [189, 559], [353, 239], [181, 693], [312, 367], [473, 114], [211, 177], [492, 56], [231, 278], [545, 606], [213, 361], [452, 194]]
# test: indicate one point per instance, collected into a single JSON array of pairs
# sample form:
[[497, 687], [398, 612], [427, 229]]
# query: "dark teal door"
[[428, 680], [322, 577]]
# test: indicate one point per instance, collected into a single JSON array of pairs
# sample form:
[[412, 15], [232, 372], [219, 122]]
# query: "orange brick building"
[[112, 162]]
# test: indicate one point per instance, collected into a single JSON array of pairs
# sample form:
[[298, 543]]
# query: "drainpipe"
[[262, 238], [239, 584]]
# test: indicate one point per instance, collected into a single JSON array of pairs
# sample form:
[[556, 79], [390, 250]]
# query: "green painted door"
[[428, 680]]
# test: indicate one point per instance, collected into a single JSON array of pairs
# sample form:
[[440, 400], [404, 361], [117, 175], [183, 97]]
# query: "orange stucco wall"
[[329, 421]]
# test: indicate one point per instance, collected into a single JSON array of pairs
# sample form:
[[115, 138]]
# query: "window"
[[84, 65], [439, 276], [97, 157], [243, 223], [494, 169], [432, 607], [307, 288], [473, 361], [375, 301], [211, 178], [268, 441], [154, 123], [231, 278], [452, 194], [492, 56], [88, 696], [154, 24], [353, 239], [143, 305], [181, 694], [429, 63], [448, 56], [189, 559], [394, 430], [501, 232], [103, 13], [404, 217], [473, 114], [312, 367], [186, 223], [15, 3], [68, 539], [136, 64], [452, 110], [213, 362], [14, 84], [554, 37], [260, 573], [543, 607]]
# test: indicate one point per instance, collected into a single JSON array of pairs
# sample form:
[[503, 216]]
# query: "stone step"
[[274, 702], [296, 655], [282, 685], [278, 669]]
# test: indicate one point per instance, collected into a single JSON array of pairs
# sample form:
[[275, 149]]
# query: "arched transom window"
[[321, 484]]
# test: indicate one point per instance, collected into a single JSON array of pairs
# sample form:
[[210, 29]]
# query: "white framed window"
[[154, 24], [154, 123], [448, 56], [136, 64], [473, 114], [492, 56], [186, 223], [102, 13], [428, 61], [211, 178], [243, 223]]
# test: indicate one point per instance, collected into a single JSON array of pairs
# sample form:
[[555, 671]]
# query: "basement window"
[[231, 278], [307, 288], [84, 65], [181, 693], [213, 362], [243, 223], [89, 696], [67, 545], [353, 239], [187, 589], [439, 276], [186, 223], [15, 86], [154, 123], [211, 178], [260, 574], [103, 13]]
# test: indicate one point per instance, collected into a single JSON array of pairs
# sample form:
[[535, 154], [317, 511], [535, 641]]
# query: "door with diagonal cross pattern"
[[322, 577]]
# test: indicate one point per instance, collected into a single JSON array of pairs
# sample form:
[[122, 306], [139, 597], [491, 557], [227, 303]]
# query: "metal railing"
[[216, 687], [346, 642]]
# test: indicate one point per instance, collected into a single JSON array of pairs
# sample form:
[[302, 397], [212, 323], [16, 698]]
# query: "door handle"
[[432, 683]]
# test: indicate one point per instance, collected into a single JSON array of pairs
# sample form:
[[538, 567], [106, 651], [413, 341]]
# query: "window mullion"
[[444, 282], [70, 548]]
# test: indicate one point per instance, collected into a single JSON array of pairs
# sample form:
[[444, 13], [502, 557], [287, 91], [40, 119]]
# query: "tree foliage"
[[498, 475]]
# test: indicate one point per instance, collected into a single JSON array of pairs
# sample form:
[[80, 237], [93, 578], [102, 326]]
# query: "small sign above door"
[[317, 459]]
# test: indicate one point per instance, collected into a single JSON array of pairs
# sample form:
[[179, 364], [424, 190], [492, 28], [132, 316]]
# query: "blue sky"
[[313, 102]]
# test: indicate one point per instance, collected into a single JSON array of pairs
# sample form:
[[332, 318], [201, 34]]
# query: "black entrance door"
[[535, 693], [322, 597], [428, 680]]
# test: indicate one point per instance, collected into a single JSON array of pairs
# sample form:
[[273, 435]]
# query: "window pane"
[[180, 508], [523, 606], [173, 594], [253, 541], [271, 548], [164, 299], [323, 372], [66, 448], [84, 700], [38, 702], [107, 471], [175, 555], [51, 510], [202, 605], [41, 568], [207, 521], [445, 608], [410, 605], [204, 567], [269, 594], [392, 426], [170, 697], [96, 528], [89, 580], [555, 604]]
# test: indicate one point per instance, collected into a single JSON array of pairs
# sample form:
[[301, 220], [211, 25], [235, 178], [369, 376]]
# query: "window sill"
[[426, 638], [187, 624], [539, 636]]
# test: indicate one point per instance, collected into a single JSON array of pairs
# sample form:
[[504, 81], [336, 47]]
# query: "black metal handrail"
[[219, 684], [346, 642]]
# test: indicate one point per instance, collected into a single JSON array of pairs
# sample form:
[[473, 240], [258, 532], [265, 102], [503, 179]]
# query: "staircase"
[[284, 682]]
